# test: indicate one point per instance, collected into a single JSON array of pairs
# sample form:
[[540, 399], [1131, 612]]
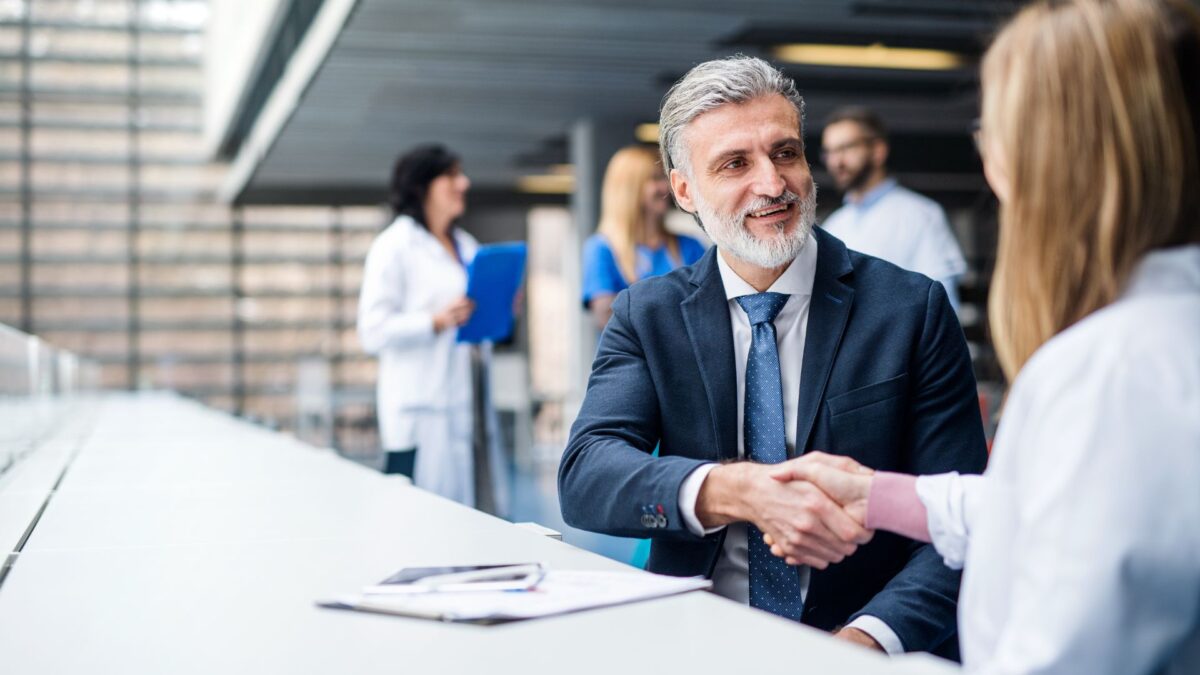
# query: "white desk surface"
[[27, 484], [183, 541]]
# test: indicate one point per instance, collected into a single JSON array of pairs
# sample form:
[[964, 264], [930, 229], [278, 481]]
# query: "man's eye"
[[788, 154], [734, 164]]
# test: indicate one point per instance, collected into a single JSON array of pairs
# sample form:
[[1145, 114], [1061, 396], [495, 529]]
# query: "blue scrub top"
[[602, 276]]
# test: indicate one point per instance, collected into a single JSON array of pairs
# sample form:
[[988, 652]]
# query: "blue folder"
[[493, 278]]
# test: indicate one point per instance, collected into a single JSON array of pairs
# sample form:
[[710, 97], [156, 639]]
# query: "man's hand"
[[845, 481], [858, 637], [815, 529], [842, 479]]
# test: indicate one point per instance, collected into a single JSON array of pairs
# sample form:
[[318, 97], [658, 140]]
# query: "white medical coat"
[[424, 393], [1081, 543]]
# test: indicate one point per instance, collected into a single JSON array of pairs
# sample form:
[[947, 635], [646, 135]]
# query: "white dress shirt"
[[731, 577], [905, 229], [1081, 543]]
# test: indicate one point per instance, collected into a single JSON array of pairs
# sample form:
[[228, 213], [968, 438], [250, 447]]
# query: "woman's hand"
[[518, 304], [846, 481], [454, 314]]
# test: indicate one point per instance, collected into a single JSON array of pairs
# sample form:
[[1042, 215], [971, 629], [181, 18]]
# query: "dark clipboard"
[[493, 278]]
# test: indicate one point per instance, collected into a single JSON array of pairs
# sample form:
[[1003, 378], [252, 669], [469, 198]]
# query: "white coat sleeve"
[[1105, 576], [383, 320], [949, 501]]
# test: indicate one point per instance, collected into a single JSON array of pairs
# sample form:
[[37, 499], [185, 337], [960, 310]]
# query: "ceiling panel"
[[502, 81]]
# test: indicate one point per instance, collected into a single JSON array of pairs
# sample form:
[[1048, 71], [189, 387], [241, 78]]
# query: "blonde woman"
[[1081, 543], [631, 242]]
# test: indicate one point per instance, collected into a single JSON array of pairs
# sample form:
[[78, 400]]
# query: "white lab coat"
[[1081, 543], [424, 393]]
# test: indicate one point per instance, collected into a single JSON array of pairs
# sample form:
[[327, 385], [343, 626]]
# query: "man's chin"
[[769, 252], [764, 259]]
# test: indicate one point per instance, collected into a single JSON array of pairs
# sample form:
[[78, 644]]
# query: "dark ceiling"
[[503, 81]]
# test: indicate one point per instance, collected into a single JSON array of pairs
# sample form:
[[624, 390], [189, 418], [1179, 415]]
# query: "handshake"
[[812, 510]]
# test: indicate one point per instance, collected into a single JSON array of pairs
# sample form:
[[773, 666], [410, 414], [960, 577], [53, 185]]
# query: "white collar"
[[425, 237], [1168, 270], [797, 279]]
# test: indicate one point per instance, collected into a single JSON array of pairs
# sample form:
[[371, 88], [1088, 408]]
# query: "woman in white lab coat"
[[1080, 544], [412, 302]]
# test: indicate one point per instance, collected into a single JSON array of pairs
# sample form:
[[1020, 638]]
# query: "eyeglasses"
[[826, 153]]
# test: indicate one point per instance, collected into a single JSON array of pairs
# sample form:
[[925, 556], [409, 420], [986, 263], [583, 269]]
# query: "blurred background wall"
[[188, 187]]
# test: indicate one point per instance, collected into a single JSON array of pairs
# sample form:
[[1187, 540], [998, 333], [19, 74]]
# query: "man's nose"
[[768, 181]]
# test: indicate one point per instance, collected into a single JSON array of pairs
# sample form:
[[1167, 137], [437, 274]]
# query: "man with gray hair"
[[778, 342]]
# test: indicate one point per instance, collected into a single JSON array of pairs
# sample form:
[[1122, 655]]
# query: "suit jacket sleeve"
[[946, 434], [608, 479]]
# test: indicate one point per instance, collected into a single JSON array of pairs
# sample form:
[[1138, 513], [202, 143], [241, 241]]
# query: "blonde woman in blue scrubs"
[[631, 242]]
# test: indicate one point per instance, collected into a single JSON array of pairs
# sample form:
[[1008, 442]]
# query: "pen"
[[507, 578]]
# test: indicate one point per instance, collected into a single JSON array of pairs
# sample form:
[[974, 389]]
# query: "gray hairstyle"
[[735, 79]]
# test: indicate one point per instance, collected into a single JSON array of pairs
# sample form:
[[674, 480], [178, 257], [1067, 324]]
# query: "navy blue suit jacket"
[[886, 380]]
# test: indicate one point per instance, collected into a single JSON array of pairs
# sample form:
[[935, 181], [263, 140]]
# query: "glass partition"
[[39, 387]]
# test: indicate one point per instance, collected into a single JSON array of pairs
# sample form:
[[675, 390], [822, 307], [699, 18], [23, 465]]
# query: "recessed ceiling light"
[[646, 133], [547, 184], [870, 56]]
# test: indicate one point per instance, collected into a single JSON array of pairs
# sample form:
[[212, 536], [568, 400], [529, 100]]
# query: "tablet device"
[[518, 577]]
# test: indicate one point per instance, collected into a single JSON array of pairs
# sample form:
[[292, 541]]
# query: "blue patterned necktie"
[[774, 585]]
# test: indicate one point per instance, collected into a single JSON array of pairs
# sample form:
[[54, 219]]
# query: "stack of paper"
[[560, 592]]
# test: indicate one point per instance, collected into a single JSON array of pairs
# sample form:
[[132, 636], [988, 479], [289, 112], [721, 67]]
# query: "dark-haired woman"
[[413, 300]]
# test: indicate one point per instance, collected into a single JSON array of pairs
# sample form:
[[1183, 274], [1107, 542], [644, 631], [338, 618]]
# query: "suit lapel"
[[828, 311], [706, 316]]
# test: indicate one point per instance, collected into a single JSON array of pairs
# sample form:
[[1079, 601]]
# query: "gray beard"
[[729, 233]]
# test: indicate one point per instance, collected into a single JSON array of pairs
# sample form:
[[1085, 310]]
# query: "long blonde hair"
[[621, 210], [1093, 108]]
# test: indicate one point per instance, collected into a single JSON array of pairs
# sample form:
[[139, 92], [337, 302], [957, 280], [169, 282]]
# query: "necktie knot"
[[762, 307]]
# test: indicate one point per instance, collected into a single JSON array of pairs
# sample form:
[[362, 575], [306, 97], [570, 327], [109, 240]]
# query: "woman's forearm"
[[893, 505]]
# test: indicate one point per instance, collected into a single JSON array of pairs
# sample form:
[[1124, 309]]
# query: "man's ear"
[[880, 153], [681, 187]]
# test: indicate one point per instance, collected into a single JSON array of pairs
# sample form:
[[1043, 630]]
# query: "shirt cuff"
[[689, 492], [947, 498], [880, 632]]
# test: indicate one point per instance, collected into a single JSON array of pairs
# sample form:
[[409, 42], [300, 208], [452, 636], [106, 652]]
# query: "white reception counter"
[[176, 539]]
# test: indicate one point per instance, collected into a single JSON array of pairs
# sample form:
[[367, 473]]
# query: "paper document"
[[560, 592]]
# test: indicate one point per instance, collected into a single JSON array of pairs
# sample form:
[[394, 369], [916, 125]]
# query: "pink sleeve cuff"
[[893, 505]]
